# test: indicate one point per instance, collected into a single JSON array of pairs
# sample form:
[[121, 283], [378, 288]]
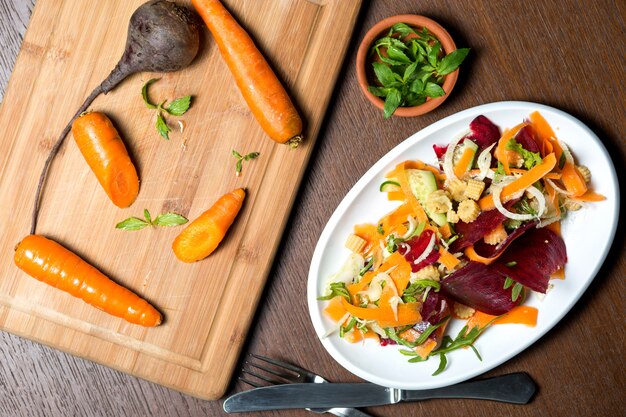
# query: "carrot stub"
[[269, 102], [49, 262], [107, 157], [202, 236]]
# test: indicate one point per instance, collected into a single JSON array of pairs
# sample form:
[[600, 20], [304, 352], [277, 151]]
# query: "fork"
[[289, 373]]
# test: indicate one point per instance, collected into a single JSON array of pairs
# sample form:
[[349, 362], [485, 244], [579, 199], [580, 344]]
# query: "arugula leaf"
[[508, 282], [530, 158], [169, 219], [391, 333], [162, 127], [380, 229], [336, 289], [366, 267], [517, 289], [132, 223], [144, 93], [179, 106], [443, 361], [452, 61], [392, 102]]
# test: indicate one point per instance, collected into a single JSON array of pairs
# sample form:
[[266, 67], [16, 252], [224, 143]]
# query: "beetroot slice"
[[480, 287], [470, 233], [489, 251], [435, 307], [482, 131], [417, 246], [526, 138], [537, 254]]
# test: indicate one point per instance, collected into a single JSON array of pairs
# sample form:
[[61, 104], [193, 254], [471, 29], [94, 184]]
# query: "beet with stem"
[[162, 37]]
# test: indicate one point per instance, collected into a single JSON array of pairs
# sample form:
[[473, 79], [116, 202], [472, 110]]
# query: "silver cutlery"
[[305, 389], [290, 374]]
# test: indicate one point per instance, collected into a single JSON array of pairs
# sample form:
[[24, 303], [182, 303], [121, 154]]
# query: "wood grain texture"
[[207, 305], [527, 50]]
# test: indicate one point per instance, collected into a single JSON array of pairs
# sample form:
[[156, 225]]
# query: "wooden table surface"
[[567, 54]]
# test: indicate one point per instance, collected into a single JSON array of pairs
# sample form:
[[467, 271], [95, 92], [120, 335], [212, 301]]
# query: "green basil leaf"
[[433, 90], [144, 93], [170, 219], [378, 91], [452, 61], [409, 71], [433, 54], [402, 29], [392, 102], [417, 86], [384, 74], [132, 223], [162, 127], [395, 53], [179, 106]]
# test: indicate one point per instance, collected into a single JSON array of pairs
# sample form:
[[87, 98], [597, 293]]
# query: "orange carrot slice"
[[518, 315], [529, 178], [202, 236]]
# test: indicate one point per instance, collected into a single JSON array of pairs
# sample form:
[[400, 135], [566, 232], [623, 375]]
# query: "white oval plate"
[[588, 235]]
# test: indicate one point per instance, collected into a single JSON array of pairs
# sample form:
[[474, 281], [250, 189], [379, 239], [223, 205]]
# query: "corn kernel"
[[474, 189], [355, 243], [456, 188], [497, 235], [428, 272], [462, 311], [468, 211], [584, 172], [452, 217]]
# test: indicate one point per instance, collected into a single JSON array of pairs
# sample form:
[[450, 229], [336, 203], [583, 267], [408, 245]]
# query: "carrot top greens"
[[412, 67]]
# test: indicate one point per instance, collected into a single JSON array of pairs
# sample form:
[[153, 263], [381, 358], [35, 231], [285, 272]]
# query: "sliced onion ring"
[[412, 226], [541, 199], [498, 203], [568, 154], [557, 188], [484, 163], [448, 166]]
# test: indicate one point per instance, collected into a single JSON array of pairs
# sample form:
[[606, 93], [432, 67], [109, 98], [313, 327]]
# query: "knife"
[[516, 388]]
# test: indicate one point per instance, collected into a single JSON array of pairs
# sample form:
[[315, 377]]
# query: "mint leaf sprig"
[[165, 219], [241, 158], [411, 70], [177, 107]]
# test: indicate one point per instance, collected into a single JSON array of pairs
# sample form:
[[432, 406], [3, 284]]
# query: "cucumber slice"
[[390, 185], [467, 144], [423, 183]]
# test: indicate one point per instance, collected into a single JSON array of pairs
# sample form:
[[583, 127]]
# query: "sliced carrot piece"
[[529, 178], [590, 196], [447, 259], [395, 195], [335, 309], [518, 315], [408, 313], [470, 252], [502, 153], [573, 181], [462, 166]]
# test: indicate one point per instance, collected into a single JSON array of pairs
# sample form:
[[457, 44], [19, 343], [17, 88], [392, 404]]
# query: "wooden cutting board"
[[69, 48]]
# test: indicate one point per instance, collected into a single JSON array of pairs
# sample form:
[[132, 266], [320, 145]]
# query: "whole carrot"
[[202, 236], [106, 154], [258, 84], [49, 262]]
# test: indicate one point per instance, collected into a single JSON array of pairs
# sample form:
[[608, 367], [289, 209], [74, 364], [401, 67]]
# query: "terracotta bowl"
[[380, 29]]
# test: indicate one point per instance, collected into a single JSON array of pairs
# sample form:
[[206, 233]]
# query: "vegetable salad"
[[471, 237]]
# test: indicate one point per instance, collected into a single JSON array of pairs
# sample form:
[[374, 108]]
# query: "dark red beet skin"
[[482, 131], [481, 287], [489, 251], [537, 254]]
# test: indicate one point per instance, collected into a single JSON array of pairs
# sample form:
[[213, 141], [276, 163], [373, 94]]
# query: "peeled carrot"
[[448, 260], [518, 315], [471, 254], [202, 236], [504, 155], [529, 178], [107, 157], [573, 181], [464, 163], [265, 95], [49, 262], [408, 313], [590, 196]]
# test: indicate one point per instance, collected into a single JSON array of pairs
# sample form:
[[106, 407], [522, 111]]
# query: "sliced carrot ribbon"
[[526, 180], [518, 315], [408, 313], [472, 255], [502, 154], [464, 162], [447, 259]]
